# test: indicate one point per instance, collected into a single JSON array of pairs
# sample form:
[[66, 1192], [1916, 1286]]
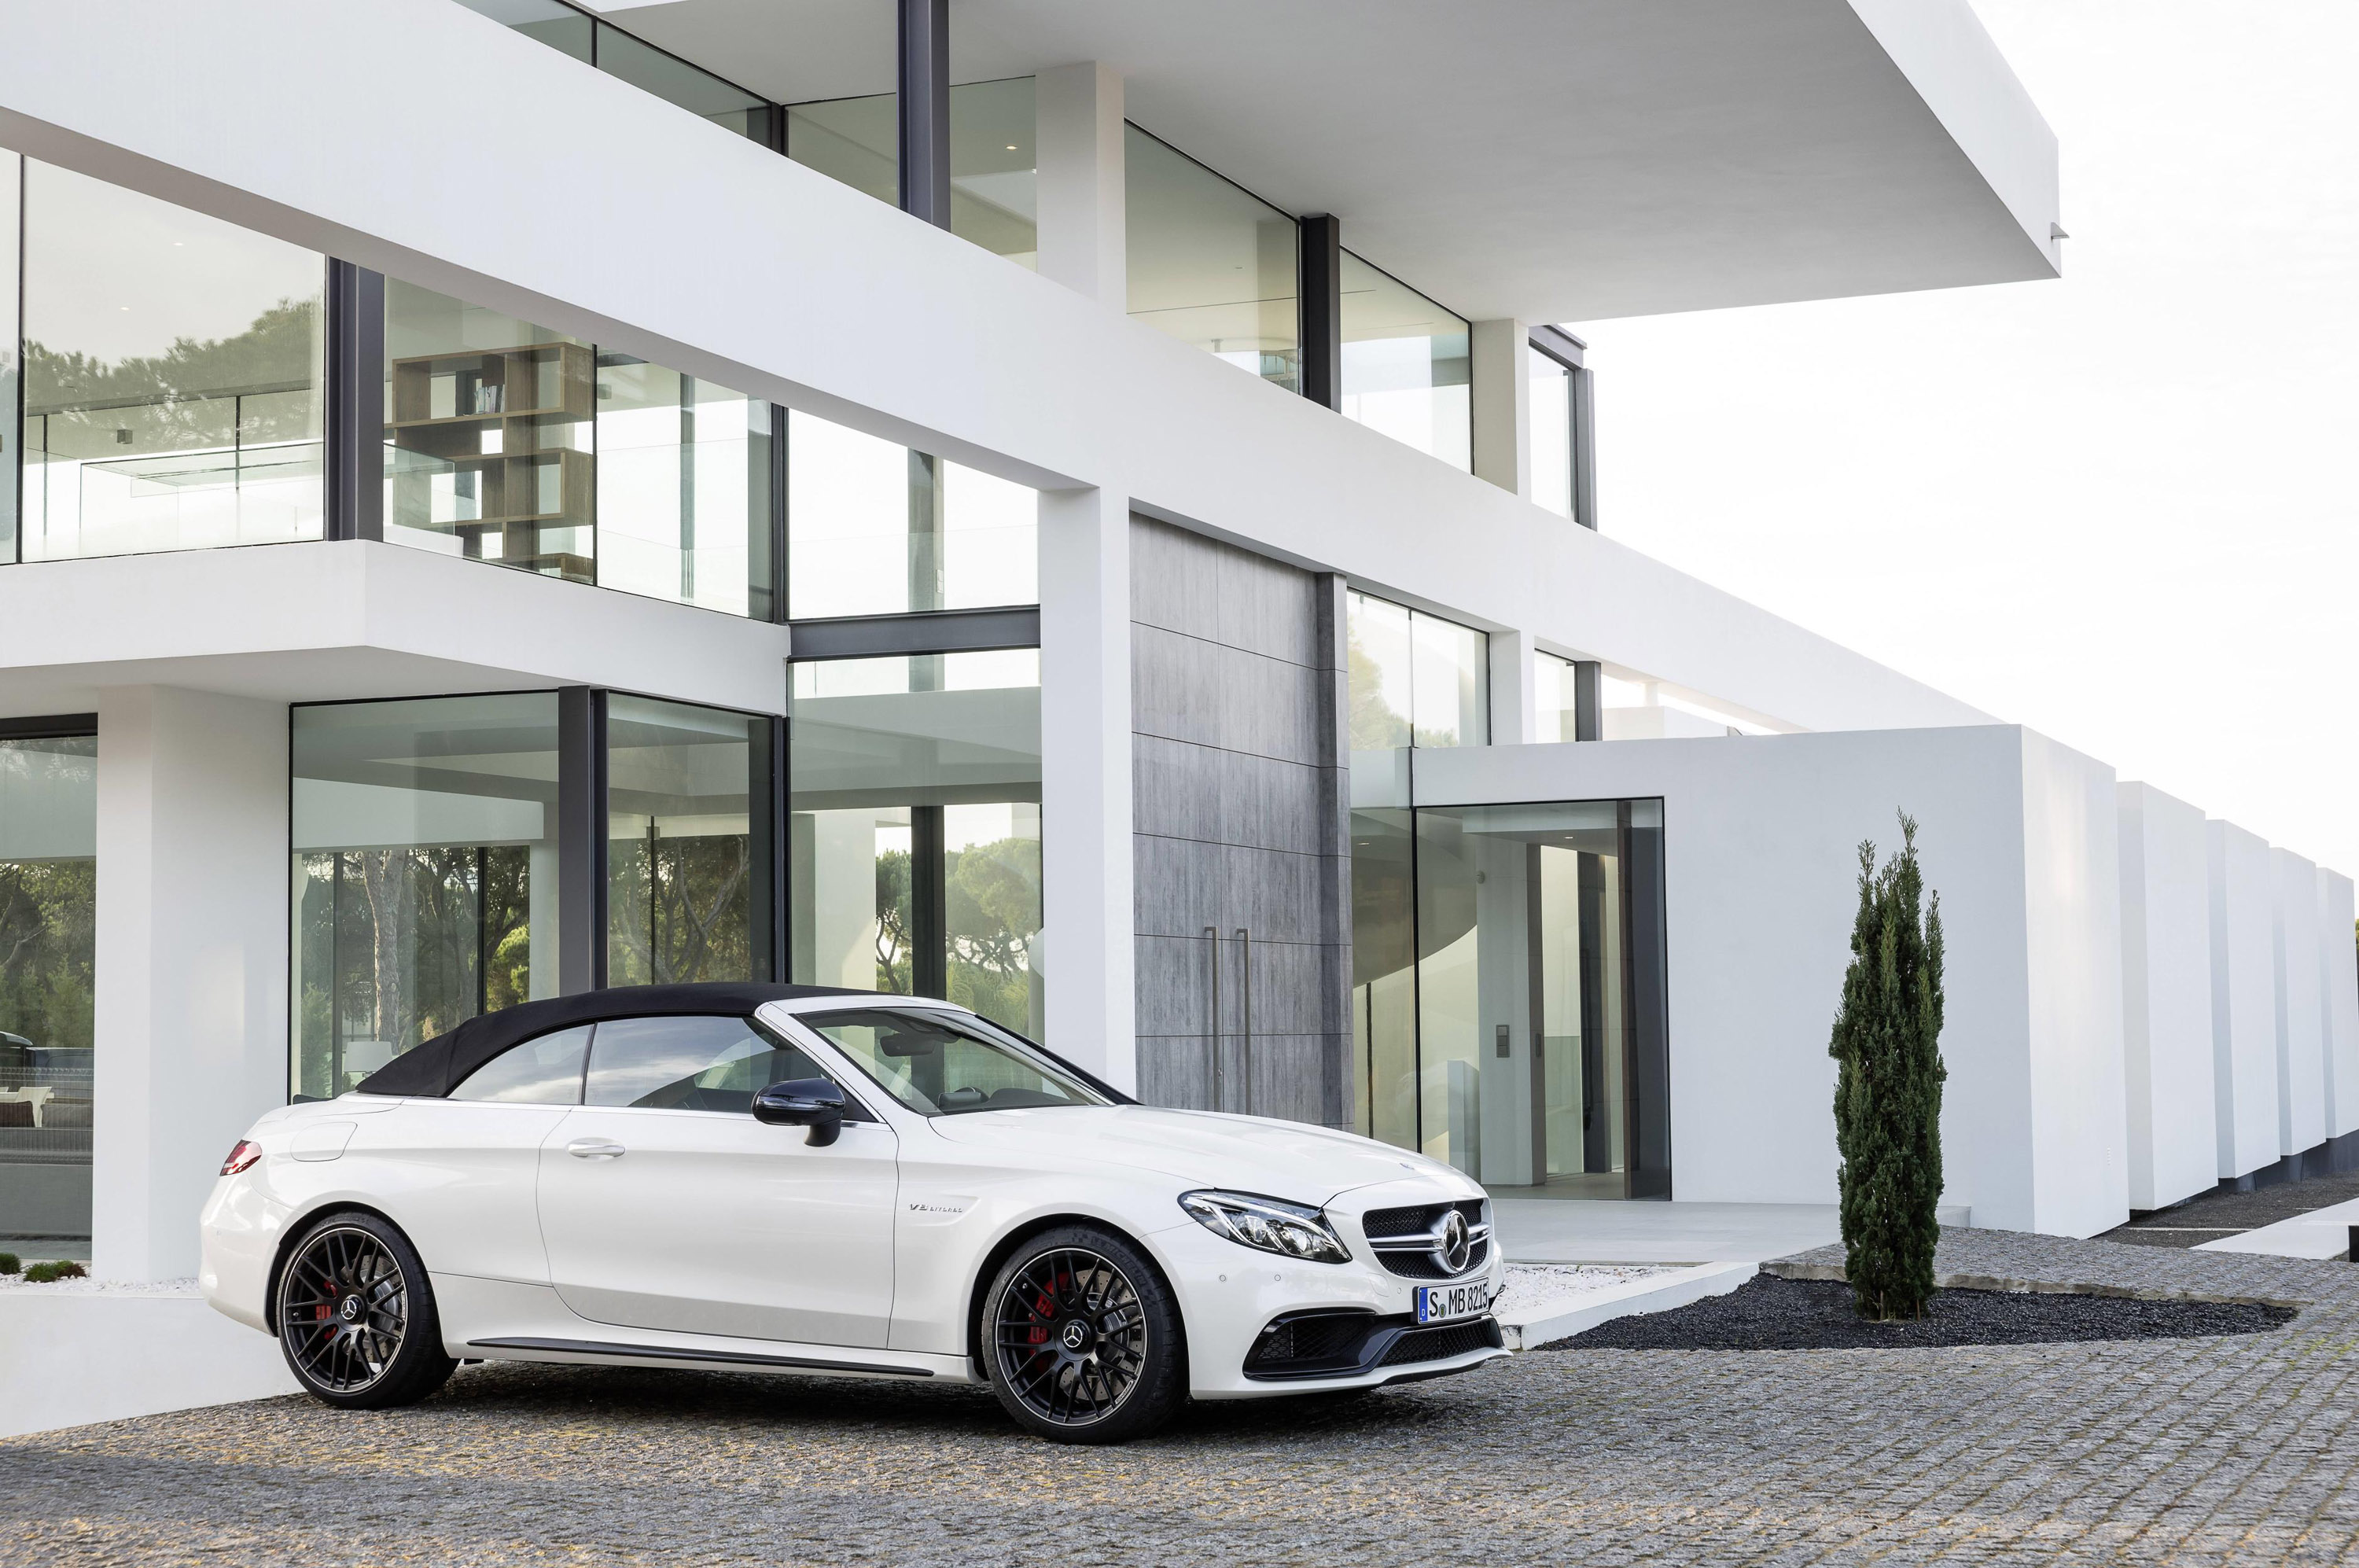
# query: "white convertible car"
[[791, 1179]]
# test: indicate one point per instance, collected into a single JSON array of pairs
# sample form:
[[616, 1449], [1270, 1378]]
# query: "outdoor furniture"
[[36, 1097]]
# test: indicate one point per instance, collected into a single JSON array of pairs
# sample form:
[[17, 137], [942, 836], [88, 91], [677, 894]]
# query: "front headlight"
[[1267, 1225]]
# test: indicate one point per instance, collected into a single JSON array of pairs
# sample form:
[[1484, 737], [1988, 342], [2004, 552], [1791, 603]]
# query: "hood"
[[1293, 1160]]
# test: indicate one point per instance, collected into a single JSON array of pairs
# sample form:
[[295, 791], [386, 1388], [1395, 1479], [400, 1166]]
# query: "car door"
[[666, 1206], [458, 1174]]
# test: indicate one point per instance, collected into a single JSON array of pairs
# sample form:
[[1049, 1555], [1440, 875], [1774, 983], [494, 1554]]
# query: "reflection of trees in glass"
[[278, 352], [994, 911], [48, 933], [676, 909], [399, 945], [1374, 726], [894, 971]]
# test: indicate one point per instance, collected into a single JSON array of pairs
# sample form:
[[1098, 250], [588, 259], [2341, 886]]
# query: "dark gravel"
[[1770, 1313], [2215, 1215]]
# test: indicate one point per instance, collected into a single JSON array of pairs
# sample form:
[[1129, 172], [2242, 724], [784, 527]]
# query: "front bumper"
[[1323, 1347], [1230, 1294]]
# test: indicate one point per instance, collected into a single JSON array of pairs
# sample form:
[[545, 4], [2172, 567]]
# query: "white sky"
[[2117, 507]]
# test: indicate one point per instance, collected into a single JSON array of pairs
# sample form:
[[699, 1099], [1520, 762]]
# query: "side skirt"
[[679, 1352]]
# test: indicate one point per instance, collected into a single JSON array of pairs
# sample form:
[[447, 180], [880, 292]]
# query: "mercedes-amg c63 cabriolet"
[[788, 1179]]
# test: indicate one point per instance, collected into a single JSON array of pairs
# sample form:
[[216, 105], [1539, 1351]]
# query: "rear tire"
[[356, 1316], [1081, 1338]]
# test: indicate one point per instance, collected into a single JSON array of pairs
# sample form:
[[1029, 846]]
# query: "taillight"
[[242, 1158]]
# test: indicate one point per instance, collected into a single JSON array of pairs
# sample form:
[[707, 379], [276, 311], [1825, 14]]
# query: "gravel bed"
[[1535, 1291], [18, 1285], [1770, 1313]]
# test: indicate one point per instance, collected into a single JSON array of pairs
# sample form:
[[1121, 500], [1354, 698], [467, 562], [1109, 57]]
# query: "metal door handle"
[[593, 1149]]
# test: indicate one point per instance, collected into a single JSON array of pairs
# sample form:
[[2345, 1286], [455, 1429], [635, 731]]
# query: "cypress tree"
[[1887, 1046]]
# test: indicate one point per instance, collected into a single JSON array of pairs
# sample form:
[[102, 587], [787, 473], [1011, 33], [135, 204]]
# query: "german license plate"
[[1439, 1303]]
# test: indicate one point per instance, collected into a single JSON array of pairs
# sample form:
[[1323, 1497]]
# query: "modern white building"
[[1074, 505]]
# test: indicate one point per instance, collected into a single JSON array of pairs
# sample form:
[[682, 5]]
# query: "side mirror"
[[812, 1102]]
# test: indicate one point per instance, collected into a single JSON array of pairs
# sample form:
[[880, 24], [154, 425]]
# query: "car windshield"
[[941, 1064]]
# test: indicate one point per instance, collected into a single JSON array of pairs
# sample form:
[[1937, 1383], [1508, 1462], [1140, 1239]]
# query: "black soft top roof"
[[435, 1067]]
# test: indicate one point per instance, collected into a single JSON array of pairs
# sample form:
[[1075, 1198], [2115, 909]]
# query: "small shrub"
[[10, 1263], [63, 1268]]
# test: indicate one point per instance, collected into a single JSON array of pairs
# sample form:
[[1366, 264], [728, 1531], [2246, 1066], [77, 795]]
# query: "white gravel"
[[18, 1282], [1535, 1291]]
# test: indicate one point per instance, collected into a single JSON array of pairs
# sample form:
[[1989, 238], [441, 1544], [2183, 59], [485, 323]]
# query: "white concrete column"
[[1078, 153], [2244, 1002], [2301, 1043], [1085, 810], [2167, 998], [192, 960], [2338, 1005], [1502, 399], [1514, 713]]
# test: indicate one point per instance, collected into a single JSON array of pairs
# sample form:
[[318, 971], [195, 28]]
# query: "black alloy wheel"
[[1081, 1338], [356, 1317]]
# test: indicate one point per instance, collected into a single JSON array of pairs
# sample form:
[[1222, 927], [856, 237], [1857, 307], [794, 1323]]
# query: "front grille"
[[1442, 1342], [1426, 1266], [1377, 1225]]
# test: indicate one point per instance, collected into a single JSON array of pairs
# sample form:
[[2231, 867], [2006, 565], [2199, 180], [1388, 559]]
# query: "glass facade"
[[994, 182], [574, 32], [876, 529], [425, 873], [511, 443], [48, 880], [675, 81], [1415, 679], [1509, 991], [914, 838], [685, 878], [1406, 365], [171, 375], [12, 182], [1549, 408], [1210, 262]]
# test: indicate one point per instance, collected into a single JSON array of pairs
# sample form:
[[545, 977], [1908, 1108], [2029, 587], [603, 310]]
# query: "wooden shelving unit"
[[502, 418]]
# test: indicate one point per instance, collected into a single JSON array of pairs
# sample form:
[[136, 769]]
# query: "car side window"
[[544, 1071], [689, 1063]]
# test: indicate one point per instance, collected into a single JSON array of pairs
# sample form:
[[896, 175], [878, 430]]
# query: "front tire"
[[356, 1318], [1083, 1339]]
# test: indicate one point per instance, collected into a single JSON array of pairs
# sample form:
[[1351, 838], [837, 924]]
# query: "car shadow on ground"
[[655, 1398]]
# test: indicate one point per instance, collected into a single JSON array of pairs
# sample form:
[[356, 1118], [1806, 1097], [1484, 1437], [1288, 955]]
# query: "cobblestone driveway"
[[2238, 1449]]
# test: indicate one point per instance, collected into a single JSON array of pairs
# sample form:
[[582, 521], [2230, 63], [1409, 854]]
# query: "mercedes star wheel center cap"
[[1077, 1334]]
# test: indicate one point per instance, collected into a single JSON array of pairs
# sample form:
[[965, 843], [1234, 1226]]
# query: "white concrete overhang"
[[1549, 160], [294, 623]]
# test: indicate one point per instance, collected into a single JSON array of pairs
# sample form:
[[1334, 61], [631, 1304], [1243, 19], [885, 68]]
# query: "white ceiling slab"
[[1548, 159]]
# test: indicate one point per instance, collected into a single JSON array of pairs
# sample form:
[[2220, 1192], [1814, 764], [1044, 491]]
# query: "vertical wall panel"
[[1242, 882]]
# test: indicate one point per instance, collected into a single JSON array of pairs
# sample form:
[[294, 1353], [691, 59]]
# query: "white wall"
[[2300, 1042], [1760, 837], [71, 1358], [2244, 998], [2167, 998], [2337, 979], [2071, 861], [192, 960]]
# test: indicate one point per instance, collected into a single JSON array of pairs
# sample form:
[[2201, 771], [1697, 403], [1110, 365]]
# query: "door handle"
[[593, 1149]]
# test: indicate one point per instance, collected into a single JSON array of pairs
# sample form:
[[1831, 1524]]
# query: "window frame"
[[1561, 347], [1108, 1096]]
